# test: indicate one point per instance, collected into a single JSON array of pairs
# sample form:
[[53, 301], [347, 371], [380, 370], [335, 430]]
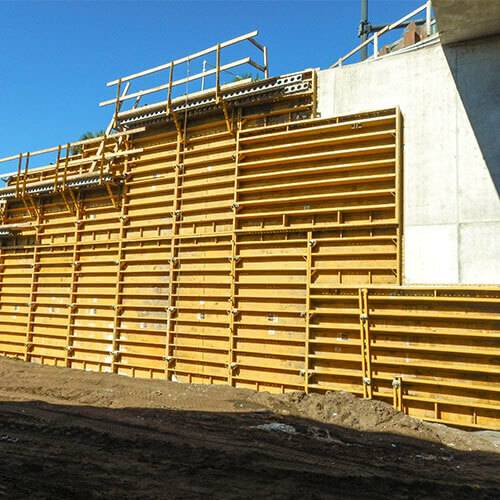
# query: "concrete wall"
[[450, 101]]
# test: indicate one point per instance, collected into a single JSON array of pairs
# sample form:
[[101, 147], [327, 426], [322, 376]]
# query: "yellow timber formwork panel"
[[94, 238], [315, 202], [142, 283], [444, 346], [259, 248], [15, 288], [199, 341], [337, 179], [433, 351]]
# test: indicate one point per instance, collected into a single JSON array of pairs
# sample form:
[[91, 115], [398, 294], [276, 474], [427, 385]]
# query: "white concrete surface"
[[461, 20], [450, 101], [479, 255], [423, 262]]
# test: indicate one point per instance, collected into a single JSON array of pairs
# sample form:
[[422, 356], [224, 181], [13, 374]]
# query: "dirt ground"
[[66, 434]]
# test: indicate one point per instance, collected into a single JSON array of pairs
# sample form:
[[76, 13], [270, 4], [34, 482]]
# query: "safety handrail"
[[171, 83], [427, 6], [94, 141]]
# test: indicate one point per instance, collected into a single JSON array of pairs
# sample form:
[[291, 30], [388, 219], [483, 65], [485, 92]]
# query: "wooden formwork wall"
[[266, 256], [432, 351]]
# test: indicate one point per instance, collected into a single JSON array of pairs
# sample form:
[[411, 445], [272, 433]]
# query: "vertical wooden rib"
[[72, 306], [172, 294]]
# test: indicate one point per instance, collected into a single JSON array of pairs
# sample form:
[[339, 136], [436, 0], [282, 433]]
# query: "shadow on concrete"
[[64, 451], [475, 67]]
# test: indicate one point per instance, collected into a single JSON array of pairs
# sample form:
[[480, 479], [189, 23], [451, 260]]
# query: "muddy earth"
[[66, 434]]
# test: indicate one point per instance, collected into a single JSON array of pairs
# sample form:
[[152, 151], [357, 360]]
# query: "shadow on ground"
[[54, 451]]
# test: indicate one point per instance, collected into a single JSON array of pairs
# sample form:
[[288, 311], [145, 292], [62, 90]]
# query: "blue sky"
[[56, 56]]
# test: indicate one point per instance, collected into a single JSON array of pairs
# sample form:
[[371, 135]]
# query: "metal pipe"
[[363, 32], [428, 18], [374, 28], [203, 77]]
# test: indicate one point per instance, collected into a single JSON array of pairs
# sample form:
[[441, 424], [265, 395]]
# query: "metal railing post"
[[428, 12]]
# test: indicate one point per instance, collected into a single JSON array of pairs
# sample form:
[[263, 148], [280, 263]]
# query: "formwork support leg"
[[365, 343], [73, 288], [115, 346], [176, 205], [28, 342], [233, 305], [307, 315], [397, 389], [399, 195]]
